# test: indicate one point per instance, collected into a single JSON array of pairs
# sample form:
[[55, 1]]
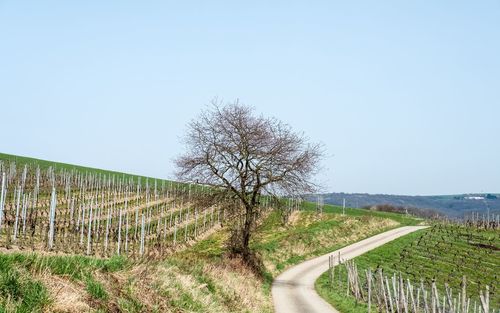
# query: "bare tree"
[[246, 156]]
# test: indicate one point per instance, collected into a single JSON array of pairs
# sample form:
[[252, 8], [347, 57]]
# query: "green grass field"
[[443, 252]]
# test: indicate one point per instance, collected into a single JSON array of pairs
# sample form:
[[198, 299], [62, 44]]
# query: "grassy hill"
[[198, 276], [44, 164]]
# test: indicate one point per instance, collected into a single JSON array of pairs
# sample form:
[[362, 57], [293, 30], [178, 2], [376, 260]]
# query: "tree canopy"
[[232, 149]]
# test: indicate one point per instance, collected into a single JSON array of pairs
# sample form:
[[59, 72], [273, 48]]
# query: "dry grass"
[[295, 218], [225, 286], [181, 288], [67, 296], [241, 287], [311, 234]]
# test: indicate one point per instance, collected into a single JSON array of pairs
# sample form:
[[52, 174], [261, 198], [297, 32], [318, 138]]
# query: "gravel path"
[[293, 290]]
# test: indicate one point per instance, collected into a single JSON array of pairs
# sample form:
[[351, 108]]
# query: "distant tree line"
[[424, 213]]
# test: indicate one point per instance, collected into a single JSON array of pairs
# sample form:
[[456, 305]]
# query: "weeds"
[[95, 289], [20, 293]]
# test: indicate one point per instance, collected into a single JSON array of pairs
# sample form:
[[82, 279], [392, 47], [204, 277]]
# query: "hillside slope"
[[197, 276]]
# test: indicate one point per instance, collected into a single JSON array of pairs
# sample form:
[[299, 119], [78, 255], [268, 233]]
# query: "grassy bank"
[[309, 234], [32, 283]]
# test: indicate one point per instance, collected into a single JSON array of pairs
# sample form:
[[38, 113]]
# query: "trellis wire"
[[97, 214]]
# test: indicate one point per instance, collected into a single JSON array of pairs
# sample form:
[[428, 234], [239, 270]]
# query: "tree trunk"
[[247, 229]]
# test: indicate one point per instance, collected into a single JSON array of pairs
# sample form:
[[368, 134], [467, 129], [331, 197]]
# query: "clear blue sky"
[[404, 95]]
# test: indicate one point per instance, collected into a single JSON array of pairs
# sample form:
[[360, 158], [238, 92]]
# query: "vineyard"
[[97, 213], [75, 211], [62, 209], [447, 259]]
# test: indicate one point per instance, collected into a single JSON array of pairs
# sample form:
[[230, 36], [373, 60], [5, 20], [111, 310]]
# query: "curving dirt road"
[[293, 290]]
